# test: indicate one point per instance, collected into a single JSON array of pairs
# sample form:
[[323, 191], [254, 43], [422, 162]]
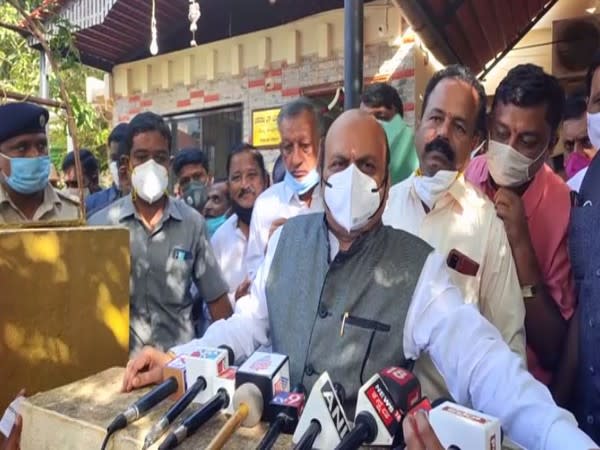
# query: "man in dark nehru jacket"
[[359, 285], [25, 192]]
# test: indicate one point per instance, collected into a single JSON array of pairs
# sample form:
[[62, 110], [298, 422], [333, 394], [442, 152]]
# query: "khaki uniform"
[[55, 207]]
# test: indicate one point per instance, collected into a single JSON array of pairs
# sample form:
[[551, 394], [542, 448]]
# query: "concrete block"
[[64, 303], [82, 411]]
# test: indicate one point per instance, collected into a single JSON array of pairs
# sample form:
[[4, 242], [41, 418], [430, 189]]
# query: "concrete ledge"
[[75, 417]]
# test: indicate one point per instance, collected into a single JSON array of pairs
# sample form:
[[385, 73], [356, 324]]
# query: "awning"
[[122, 32], [472, 32]]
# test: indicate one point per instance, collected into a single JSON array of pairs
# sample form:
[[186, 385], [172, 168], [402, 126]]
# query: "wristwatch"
[[528, 291]]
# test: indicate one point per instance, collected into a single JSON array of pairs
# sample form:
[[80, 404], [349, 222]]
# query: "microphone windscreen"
[[249, 394]]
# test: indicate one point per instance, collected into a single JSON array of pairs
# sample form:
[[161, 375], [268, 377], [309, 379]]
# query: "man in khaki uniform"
[[25, 192]]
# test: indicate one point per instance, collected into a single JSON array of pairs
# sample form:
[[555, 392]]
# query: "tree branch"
[[36, 29]]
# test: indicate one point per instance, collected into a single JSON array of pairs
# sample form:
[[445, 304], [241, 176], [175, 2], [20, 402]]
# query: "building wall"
[[267, 68]]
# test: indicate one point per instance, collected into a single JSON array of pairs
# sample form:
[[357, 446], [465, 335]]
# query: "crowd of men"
[[456, 246]]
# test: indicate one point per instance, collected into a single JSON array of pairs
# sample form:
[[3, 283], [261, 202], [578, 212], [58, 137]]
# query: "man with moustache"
[[247, 178], [348, 297], [534, 205], [299, 192], [437, 205]]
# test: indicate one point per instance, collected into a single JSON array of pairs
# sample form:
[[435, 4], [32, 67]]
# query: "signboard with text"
[[265, 133]]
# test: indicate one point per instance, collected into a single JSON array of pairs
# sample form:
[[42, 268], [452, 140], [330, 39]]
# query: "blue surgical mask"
[[393, 129], [213, 224], [28, 175], [301, 187]]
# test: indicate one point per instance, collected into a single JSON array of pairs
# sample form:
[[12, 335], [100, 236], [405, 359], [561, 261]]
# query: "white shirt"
[[465, 220], [575, 181], [478, 366], [229, 245], [277, 202]]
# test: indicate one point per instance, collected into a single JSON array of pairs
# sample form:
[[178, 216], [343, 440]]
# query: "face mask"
[[508, 167], [575, 162], [195, 195], [28, 175], [113, 168], [301, 187], [352, 197], [392, 129], [213, 224], [593, 129], [149, 181], [431, 189], [475, 152], [74, 192], [244, 214]]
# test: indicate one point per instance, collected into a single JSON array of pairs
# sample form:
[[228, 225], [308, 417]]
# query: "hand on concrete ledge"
[[146, 368]]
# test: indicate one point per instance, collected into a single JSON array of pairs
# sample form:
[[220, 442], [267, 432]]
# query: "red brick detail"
[[409, 107], [134, 98], [211, 98], [256, 83], [196, 94], [184, 103], [274, 73], [146, 103], [134, 111], [275, 87], [291, 92], [401, 74]]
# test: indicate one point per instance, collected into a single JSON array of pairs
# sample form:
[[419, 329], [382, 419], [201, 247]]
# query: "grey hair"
[[296, 107]]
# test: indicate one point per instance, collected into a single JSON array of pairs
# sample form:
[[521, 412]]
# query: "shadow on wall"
[[64, 306]]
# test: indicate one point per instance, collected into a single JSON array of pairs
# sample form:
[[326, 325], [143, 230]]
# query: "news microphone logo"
[[262, 364], [335, 410], [291, 399], [383, 404], [281, 384]]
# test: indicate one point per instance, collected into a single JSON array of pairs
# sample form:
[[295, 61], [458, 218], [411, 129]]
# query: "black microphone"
[[201, 368], [381, 405], [270, 372], [323, 422], [189, 426], [286, 407], [141, 407], [161, 426]]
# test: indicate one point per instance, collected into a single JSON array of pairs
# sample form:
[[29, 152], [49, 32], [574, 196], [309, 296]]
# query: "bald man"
[[360, 285]]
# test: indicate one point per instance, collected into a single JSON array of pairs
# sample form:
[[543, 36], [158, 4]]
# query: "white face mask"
[[150, 180], [431, 189], [508, 167], [475, 152], [114, 172], [74, 192], [352, 197], [593, 129]]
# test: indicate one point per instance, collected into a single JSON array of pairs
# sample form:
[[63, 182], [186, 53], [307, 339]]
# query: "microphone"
[[221, 401], [270, 372], [323, 423], [382, 403], [141, 407], [460, 427], [205, 365], [287, 408], [248, 404]]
